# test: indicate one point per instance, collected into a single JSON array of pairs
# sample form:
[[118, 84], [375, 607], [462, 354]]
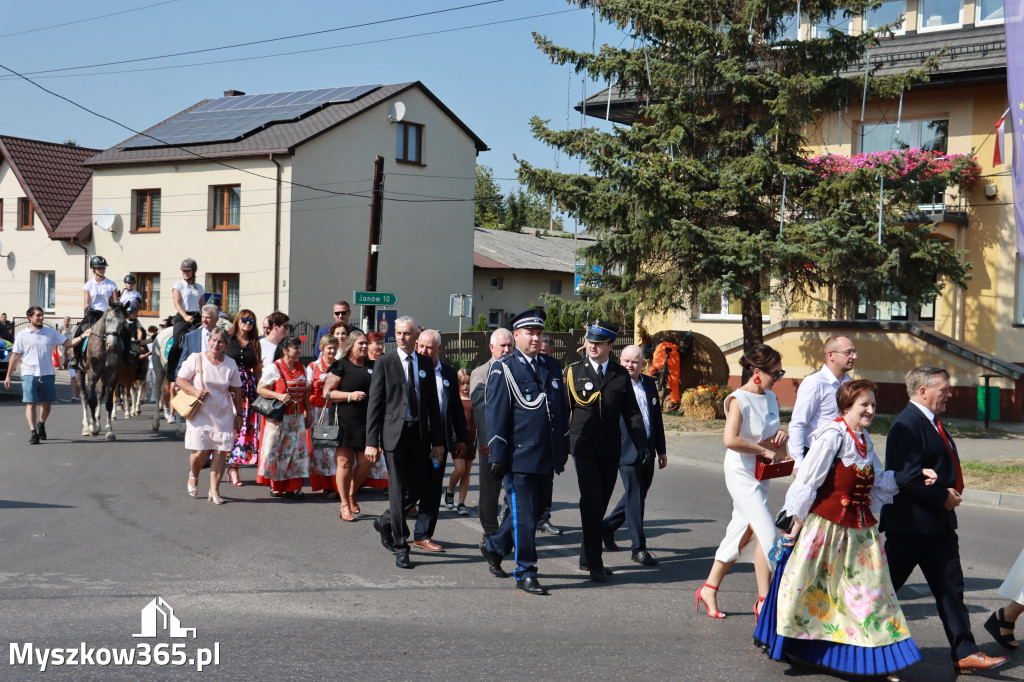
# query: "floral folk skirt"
[[284, 458], [247, 445]]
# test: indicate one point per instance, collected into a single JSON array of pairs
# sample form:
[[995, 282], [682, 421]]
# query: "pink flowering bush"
[[961, 170]]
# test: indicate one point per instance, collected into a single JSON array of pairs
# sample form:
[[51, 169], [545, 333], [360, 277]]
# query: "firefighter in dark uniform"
[[600, 394], [527, 433]]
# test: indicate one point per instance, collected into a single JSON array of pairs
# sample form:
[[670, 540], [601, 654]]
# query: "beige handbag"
[[187, 405]]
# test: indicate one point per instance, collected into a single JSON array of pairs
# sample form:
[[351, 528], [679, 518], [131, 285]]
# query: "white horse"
[[100, 365]]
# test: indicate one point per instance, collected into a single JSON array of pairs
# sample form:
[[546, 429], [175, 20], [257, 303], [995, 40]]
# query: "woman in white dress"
[[212, 428], [1000, 624], [751, 429]]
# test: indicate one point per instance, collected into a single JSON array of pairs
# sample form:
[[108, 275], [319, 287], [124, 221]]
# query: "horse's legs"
[[109, 387]]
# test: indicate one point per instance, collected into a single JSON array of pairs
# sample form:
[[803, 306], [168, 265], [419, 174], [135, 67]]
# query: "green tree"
[[490, 205], [686, 200], [524, 209]]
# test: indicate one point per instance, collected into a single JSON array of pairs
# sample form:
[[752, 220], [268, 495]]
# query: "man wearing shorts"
[[33, 348]]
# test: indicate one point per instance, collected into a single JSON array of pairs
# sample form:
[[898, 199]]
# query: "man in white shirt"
[[278, 325], [33, 347], [816, 398]]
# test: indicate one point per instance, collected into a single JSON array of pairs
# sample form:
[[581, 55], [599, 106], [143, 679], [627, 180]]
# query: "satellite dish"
[[105, 218], [397, 112], [5, 255]]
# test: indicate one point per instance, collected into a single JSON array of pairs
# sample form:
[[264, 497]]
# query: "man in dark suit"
[[920, 524], [636, 475], [453, 418], [501, 345], [527, 435], [403, 418], [600, 395], [198, 340]]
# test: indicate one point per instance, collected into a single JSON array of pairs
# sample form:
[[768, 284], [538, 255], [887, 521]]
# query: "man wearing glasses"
[[342, 313], [276, 327], [816, 397]]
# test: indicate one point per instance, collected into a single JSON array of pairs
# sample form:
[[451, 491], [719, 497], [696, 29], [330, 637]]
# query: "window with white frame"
[[730, 309], [494, 316], [929, 134], [939, 15], [45, 290], [839, 20], [496, 282], [988, 12], [888, 13]]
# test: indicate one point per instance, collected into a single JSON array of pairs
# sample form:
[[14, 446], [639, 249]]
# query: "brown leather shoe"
[[429, 545], [978, 661]]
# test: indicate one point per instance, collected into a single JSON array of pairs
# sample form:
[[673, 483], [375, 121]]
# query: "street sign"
[[386, 324], [460, 305], [582, 269], [374, 298]]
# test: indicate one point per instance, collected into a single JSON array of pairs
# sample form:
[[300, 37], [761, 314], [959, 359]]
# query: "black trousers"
[[90, 318], [939, 559], [181, 327], [430, 499], [596, 478], [636, 479], [490, 491], [519, 529], [407, 476]]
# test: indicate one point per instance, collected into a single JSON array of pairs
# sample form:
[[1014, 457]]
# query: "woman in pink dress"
[[212, 377]]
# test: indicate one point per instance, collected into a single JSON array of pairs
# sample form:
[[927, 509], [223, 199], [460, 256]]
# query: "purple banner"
[[1014, 24]]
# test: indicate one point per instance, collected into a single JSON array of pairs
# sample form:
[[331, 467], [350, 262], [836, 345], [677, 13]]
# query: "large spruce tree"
[[687, 199]]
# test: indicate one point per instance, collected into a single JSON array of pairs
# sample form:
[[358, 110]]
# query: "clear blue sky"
[[493, 77]]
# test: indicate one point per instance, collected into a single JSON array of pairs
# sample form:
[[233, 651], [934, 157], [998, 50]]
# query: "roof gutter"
[[277, 236], [85, 257]]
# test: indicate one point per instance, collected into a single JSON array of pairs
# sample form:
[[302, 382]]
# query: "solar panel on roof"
[[231, 118]]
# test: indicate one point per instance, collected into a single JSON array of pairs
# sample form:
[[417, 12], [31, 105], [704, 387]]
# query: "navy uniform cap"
[[602, 331], [534, 318]]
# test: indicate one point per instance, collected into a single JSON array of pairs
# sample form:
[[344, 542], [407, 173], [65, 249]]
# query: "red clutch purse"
[[766, 470]]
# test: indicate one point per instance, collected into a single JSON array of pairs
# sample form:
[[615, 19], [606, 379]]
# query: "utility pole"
[[373, 250]]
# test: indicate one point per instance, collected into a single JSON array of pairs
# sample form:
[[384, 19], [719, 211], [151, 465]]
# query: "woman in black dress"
[[244, 349], [347, 387]]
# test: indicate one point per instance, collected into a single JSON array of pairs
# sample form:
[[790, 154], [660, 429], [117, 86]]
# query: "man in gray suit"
[[490, 487]]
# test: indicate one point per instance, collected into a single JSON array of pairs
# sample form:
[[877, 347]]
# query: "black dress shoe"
[[530, 586], [584, 566], [402, 559], [41, 430], [493, 562], [644, 557], [600, 577], [609, 541], [385, 535], [546, 528]]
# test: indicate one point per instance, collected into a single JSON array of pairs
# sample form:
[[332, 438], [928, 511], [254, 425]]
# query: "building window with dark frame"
[[146, 214], [226, 285], [555, 287], [409, 143], [26, 214], [496, 282], [225, 207], [149, 287]]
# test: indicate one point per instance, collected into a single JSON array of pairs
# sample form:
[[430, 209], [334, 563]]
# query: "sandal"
[[757, 609], [700, 600], [345, 513], [233, 475], [193, 490], [355, 507], [214, 496], [993, 625]]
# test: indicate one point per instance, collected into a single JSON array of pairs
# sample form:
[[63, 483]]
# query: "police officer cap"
[[602, 331], [97, 262], [532, 318]]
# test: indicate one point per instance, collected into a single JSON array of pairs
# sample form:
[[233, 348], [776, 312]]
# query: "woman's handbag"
[[187, 405], [327, 435], [766, 469], [271, 408], [783, 521]]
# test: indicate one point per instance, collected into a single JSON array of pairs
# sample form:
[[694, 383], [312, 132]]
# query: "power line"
[[269, 40], [82, 21]]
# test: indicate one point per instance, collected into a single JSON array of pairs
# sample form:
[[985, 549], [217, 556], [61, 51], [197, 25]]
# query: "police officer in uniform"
[[528, 441], [600, 394]]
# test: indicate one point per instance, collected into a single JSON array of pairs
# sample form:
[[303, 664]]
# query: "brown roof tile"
[[54, 180]]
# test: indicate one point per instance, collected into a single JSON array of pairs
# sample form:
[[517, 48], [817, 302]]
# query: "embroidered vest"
[[293, 383], [844, 497]]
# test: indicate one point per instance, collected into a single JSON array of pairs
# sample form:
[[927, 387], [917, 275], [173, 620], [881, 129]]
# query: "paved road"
[[91, 532]]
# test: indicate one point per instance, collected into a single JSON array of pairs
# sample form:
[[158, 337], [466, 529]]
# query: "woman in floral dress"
[[284, 457], [833, 605], [322, 468], [244, 349]]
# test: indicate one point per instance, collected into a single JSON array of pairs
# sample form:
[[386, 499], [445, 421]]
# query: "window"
[[838, 20], [989, 12], [893, 309], [939, 14], [227, 286], [888, 13], [494, 317], [928, 134], [26, 214], [730, 309], [146, 214], [149, 287], [556, 287], [225, 207], [496, 282], [409, 143], [46, 293]]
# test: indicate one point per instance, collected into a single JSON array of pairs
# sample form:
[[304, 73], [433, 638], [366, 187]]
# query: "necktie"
[[956, 462], [533, 369], [600, 374], [414, 404]]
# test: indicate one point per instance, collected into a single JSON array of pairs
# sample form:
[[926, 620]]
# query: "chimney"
[[233, 93]]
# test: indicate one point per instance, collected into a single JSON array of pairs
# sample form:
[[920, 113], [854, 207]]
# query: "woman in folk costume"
[[284, 456]]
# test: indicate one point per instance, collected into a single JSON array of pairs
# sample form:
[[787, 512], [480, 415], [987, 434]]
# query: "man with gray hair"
[[501, 345], [920, 523], [198, 340], [816, 398]]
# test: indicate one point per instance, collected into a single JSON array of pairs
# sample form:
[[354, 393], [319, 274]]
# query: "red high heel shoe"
[[757, 611], [712, 614]]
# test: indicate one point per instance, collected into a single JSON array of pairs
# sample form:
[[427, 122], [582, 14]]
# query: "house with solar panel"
[[272, 195]]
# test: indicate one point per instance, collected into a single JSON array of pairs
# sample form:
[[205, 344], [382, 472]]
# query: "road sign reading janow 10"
[[374, 298]]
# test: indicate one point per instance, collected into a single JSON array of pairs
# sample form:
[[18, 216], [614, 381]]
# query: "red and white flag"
[[1000, 153]]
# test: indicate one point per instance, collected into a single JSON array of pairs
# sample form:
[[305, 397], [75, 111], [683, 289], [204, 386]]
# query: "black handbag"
[[271, 408], [783, 521], [327, 435]]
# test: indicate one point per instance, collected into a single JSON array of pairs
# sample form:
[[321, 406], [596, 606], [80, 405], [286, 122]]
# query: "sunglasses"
[[776, 375], [247, 320], [341, 312]]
